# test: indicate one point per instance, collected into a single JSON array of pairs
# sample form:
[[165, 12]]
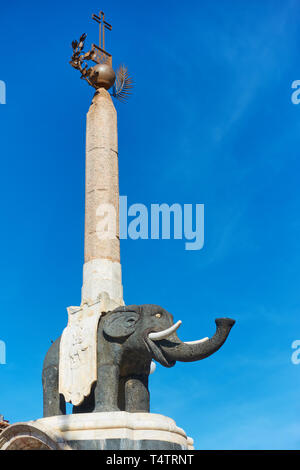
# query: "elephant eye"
[[158, 315]]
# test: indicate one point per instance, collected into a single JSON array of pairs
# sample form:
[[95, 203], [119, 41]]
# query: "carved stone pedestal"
[[97, 431]]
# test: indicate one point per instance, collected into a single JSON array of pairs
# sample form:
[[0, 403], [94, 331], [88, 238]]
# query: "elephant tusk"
[[197, 342], [165, 333], [152, 367]]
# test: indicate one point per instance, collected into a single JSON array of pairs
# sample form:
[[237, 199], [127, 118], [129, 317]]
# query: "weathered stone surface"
[[105, 431], [102, 175], [32, 436], [102, 269], [108, 275], [78, 350]]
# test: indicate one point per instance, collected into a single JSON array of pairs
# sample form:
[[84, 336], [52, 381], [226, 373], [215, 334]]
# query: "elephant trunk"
[[176, 350]]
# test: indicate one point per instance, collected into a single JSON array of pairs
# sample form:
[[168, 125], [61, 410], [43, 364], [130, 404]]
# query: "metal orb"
[[103, 76]]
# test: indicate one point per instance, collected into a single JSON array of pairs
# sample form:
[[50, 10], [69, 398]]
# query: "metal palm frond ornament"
[[123, 84], [102, 74]]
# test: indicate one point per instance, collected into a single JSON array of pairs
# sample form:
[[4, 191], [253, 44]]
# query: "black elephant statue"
[[128, 339]]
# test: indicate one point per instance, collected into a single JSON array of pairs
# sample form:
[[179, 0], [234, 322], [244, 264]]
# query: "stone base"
[[97, 431]]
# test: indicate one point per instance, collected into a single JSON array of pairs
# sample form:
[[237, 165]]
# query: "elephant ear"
[[120, 324]]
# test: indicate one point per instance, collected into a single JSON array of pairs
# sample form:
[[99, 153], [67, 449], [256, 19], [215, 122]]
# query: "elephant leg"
[[137, 394], [106, 390], [54, 403], [121, 394]]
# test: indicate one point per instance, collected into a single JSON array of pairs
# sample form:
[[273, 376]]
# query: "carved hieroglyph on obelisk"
[[102, 279]]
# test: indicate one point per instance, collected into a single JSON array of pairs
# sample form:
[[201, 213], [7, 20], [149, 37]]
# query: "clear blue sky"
[[211, 121]]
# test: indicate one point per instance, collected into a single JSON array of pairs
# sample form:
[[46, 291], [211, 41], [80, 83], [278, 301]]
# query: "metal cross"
[[102, 25]]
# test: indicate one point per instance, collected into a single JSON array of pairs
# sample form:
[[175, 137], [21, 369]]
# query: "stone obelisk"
[[102, 268]]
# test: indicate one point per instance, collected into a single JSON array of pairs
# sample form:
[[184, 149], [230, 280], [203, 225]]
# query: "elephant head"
[[153, 328], [133, 324]]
